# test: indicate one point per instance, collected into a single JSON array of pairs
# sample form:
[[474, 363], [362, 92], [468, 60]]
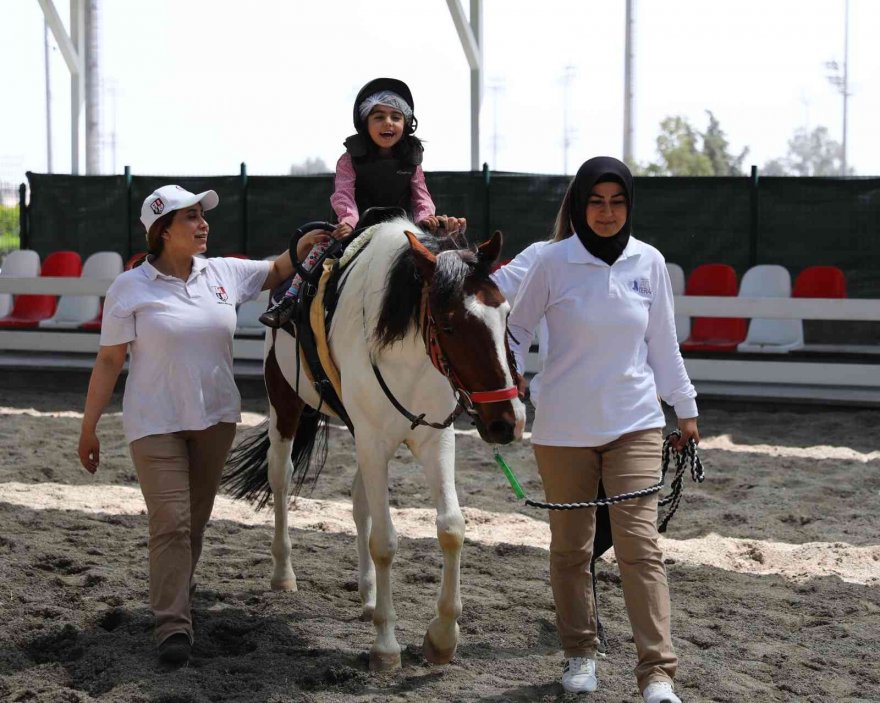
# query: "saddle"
[[316, 304]]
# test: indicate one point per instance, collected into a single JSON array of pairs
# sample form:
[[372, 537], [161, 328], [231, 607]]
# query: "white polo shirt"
[[180, 334], [612, 344], [509, 278]]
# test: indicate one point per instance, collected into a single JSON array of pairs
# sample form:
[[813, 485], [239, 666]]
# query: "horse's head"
[[466, 318]]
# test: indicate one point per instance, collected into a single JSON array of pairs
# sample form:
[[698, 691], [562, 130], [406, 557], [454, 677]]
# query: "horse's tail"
[[247, 468]]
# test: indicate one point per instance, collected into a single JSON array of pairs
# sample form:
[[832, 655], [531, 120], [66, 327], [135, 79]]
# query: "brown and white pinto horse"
[[398, 287]]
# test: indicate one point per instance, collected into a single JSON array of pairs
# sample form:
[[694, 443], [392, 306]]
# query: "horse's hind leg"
[[366, 570], [438, 458], [280, 472], [285, 410]]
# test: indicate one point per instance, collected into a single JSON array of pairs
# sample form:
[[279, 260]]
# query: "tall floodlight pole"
[[470, 33], [48, 99], [845, 79], [629, 50], [92, 85], [839, 78], [567, 130]]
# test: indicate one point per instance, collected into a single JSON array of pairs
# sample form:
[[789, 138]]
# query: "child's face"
[[385, 126]]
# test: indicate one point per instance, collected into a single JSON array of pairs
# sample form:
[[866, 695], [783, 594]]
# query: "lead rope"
[[682, 460]]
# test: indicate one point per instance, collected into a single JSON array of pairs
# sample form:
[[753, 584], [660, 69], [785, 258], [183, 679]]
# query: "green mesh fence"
[[796, 222]]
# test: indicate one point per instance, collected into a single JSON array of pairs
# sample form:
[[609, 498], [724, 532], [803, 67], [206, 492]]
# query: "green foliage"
[[809, 154], [9, 228], [683, 150]]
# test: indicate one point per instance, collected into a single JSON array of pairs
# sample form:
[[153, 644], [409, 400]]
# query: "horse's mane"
[[403, 292]]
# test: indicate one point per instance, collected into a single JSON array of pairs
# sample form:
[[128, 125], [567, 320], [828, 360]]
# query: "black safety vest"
[[382, 181]]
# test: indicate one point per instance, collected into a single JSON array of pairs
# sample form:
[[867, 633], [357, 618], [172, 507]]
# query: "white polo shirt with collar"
[[180, 336], [612, 345]]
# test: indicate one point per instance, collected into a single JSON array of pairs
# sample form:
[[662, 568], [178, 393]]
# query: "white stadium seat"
[[682, 322], [770, 336], [249, 316], [73, 310]]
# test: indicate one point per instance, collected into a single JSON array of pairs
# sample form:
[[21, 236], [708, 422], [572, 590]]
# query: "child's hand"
[[430, 223], [342, 230], [306, 242], [455, 225], [449, 225]]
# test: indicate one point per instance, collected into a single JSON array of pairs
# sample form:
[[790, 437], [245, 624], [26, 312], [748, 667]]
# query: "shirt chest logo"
[[221, 294], [642, 286]]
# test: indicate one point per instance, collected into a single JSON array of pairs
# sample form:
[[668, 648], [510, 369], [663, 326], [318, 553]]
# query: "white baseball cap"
[[169, 198]]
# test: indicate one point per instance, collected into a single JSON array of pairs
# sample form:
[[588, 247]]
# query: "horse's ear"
[[490, 250], [425, 261]]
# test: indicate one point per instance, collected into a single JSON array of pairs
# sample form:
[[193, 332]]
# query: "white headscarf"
[[387, 98]]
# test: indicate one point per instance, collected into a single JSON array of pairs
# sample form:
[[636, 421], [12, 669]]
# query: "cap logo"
[[157, 206]]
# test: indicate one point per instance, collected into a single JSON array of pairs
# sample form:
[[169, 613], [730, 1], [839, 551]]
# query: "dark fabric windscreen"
[[78, 213]]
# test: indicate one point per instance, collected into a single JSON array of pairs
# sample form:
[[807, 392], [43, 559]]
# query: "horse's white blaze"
[[495, 320]]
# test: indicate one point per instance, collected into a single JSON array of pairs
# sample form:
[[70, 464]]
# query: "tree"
[[685, 151], [809, 154], [309, 167]]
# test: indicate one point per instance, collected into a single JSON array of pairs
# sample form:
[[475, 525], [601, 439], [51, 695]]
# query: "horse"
[[400, 296]]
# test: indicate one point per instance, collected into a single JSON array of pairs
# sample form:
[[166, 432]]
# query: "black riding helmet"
[[379, 84]]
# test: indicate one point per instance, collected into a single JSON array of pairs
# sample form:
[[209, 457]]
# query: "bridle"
[[466, 400]]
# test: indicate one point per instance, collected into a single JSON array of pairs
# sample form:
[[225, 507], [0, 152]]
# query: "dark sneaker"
[[174, 650], [277, 315]]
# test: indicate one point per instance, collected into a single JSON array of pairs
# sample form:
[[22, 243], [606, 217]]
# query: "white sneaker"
[[579, 675], [660, 692]]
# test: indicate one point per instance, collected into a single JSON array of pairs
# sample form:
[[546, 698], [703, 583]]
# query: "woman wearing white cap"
[[175, 315]]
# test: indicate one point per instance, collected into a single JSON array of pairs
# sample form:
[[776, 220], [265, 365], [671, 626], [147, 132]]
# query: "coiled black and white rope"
[[687, 458]]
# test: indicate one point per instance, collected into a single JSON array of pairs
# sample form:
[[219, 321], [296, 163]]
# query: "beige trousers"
[[571, 474], [179, 474]]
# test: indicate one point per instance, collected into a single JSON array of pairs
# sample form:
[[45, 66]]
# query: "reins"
[[688, 458], [465, 400]]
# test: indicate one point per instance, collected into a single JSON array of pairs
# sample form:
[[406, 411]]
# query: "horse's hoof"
[[284, 584], [384, 661], [367, 613], [434, 654]]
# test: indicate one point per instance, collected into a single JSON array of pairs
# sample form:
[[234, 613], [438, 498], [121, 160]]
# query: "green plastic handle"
[[511, 477]]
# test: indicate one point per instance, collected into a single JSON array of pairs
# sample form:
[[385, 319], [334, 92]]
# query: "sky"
[[195, 87]]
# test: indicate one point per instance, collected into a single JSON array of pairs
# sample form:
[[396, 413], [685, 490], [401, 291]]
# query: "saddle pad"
[[319, 330]]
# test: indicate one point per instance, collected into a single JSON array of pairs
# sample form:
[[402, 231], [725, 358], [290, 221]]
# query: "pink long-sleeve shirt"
[[344, 205]]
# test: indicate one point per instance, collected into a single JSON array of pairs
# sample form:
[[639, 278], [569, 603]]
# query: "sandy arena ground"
[[774, 569]]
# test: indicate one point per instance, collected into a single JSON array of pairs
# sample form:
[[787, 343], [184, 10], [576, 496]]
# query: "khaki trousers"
[[571, 474], [179, 474]]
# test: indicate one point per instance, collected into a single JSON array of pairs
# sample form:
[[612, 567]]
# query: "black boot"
[[279, 314]]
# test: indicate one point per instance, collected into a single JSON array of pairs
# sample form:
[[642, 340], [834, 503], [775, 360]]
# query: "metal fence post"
[[487, 201], [753, 217], [128, 246], [23, 233], [244, 227]]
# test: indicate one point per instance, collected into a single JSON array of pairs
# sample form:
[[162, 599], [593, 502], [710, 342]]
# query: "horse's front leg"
[[437, 456], [366, 570], [280, 472], [373, 457]]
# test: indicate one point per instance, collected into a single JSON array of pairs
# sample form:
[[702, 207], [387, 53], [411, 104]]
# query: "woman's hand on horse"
[[688, 428], [306, 242], [89, 450], [342, 230]]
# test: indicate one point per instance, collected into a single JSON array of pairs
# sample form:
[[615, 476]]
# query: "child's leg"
[[308, 265]]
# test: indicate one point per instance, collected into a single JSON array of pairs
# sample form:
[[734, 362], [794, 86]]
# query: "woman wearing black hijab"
[[612, 351]]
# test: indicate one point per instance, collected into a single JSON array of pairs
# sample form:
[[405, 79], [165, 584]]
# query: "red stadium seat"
[[714, 334], [820, 282], [94, 325], [30, 309], [237, 256]]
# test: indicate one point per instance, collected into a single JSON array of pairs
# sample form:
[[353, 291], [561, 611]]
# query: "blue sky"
[[197, 86]]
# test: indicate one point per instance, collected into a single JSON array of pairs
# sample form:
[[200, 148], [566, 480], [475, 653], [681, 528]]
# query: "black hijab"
[[599, 170]]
